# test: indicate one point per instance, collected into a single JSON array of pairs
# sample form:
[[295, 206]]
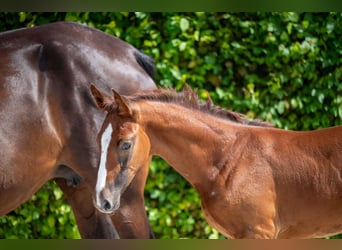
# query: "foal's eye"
[[125, 146]]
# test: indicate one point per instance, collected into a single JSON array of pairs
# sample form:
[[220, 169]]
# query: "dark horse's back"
[[49, 121]]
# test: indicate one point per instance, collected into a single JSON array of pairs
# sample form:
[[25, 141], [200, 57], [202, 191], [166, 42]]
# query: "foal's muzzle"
[[106, 204], [109, 207]]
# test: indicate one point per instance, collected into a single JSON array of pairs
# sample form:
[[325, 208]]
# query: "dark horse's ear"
[[103, 101], [123, 104]]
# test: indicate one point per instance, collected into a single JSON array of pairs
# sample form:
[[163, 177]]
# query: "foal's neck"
[[192, 142]]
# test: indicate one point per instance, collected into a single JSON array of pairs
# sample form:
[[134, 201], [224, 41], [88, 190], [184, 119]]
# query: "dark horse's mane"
[[189, 98], [147, 63]]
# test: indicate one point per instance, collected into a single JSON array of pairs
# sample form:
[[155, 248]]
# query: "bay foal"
[[254, 181]]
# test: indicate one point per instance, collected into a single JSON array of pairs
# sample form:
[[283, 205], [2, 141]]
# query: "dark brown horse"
[[49, 120], [254, 181]]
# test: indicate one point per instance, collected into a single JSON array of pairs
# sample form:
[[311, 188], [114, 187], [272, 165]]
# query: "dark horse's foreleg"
[[131, 219], [91, 223]]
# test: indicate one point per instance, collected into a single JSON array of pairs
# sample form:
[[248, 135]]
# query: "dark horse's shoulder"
[[64, 32], [61, 43], [94, 37]]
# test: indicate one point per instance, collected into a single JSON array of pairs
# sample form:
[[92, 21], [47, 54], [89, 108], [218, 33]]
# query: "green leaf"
[[184, 24]]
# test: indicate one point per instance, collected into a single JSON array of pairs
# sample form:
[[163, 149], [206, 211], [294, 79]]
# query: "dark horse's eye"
[[126, 146]]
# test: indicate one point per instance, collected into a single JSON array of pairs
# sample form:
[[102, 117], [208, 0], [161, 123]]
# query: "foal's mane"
[[188, 98]]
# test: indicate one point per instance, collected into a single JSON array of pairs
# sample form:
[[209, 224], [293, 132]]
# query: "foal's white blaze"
[[101, 175]]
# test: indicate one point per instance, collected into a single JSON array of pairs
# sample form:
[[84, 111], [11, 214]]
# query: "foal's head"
[[124, 149]]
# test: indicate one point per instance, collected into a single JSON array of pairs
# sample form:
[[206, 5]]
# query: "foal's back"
[[307, 174]]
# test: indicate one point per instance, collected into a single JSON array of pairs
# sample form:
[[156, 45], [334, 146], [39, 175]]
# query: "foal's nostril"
[[106, 205]]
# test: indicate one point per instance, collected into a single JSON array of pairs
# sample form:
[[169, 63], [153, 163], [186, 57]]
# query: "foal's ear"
[[123, 104], [102, 100]]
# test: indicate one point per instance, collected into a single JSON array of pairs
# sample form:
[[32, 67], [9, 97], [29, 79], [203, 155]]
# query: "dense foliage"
[[282, 67]]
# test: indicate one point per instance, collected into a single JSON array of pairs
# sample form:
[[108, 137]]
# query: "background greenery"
[[281, 67]]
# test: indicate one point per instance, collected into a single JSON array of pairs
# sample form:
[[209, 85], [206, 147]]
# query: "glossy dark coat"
[[49, 121]]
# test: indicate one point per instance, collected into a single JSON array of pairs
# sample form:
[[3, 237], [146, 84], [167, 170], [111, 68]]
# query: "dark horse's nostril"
[[106, 205]]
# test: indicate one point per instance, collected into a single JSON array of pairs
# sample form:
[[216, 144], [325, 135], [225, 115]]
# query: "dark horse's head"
[[120, 143]]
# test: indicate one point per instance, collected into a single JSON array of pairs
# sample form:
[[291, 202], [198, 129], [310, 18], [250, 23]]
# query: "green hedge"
[[281, 67]]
